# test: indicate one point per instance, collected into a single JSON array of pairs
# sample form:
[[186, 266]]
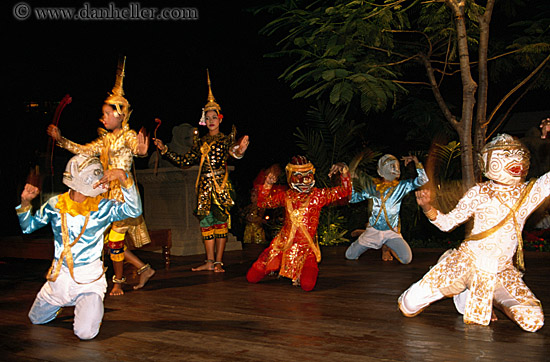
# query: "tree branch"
[[540, 66]]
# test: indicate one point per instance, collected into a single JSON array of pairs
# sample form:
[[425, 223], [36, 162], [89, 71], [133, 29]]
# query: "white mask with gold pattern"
[[505, 160]]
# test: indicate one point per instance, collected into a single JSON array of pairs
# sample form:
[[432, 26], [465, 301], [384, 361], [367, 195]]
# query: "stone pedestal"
[[169, 199]]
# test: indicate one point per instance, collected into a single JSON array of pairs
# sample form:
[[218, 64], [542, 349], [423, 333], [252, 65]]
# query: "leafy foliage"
[[329, 137], [424, 121], [448, 160], [369, 55]]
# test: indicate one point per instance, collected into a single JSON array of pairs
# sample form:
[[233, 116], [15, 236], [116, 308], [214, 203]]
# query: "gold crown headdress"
[[298, 164], [504, 142], [211, 105], [116, 97], [501, 142]]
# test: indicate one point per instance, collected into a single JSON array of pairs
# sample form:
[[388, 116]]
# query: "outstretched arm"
[[190, 158], [91, 149]]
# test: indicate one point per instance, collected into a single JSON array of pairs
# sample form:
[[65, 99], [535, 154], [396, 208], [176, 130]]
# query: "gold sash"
[[67, 253], [297, 222], [383, 209], [511, 215], [205, 149]]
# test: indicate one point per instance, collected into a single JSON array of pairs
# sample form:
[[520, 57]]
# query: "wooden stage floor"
[[351, 315]]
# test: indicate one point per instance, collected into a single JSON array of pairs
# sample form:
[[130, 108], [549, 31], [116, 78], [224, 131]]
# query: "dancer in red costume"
[[294, 252]]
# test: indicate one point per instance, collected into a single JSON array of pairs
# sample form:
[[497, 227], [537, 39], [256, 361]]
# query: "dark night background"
[[165, 78]]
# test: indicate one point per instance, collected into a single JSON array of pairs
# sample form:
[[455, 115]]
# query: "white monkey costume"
[[481, 271]]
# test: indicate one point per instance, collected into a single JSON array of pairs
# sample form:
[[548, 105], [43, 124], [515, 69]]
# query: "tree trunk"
[[481, 124], [469, 87]]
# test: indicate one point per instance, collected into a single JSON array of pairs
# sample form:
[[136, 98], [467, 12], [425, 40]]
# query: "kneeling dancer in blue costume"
[[79, 218], [384, 227]]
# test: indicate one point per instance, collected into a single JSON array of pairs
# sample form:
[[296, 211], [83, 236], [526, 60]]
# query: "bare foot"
[[117, 290], [144, 277], [208, 265], [218, 267], [386, 253], [494, 316]]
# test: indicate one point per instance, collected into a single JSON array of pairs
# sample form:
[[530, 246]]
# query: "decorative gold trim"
[[211, 105], [431, 214], [128, 183], [24, 209]]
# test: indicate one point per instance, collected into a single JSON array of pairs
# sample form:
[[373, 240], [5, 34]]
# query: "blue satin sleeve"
[[41, 218], [421, 179], [368, 192], [130, 208]]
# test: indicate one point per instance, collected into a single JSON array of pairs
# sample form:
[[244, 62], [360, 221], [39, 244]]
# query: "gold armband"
[[164, 150], [431, 214], [24, 209]]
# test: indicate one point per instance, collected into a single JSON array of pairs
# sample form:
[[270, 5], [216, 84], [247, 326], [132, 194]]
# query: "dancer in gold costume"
[[481, 274], [116, 147], [254, 232], [214, 189]]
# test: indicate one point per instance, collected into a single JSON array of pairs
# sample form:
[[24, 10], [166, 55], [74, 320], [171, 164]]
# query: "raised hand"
[[424, 199], [54, 132], [143, 142], [243, 145], [111, 175], [339, 167], [160, 145], [270, 179], [408, 159], [28, 194], [545, 128]]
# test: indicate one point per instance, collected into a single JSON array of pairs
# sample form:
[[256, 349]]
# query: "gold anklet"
[[119, 281], [143, 268]]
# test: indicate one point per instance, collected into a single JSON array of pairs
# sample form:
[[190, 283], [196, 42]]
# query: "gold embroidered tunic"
[[214, 189], [296, 241]]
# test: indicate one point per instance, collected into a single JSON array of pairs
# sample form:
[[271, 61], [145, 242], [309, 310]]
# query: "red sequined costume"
[[294, 252]]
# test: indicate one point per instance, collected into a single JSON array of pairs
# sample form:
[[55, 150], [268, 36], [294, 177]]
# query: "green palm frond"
[[448, 159]]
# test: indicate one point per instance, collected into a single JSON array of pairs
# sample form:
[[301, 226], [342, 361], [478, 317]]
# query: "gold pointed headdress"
[[211, 105], [116, 97]]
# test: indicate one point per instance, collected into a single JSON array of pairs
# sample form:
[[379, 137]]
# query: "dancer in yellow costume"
[[481, 273], [214, 189], [116, 146]]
